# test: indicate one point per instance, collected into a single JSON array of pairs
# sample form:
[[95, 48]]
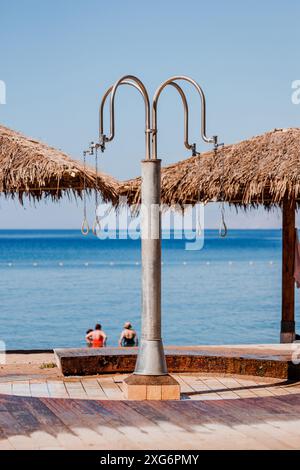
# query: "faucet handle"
[[102, 141], [92, 147]]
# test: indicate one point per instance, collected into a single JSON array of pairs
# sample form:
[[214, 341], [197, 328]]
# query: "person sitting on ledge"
[[97, 337], [128, 336]]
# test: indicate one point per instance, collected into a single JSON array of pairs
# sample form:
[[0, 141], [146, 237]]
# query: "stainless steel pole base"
[[151, 358]]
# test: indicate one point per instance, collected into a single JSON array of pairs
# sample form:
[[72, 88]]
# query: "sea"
[[55, 284]]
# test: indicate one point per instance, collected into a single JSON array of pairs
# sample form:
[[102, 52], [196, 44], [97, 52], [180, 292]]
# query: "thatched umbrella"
[[262, 170], [29, 168]]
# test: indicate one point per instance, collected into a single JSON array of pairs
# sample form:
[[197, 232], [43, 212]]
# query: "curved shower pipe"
[[123, 81], [172, 80], [138, 84]]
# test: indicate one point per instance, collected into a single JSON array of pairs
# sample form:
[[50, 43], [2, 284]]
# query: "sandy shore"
[[21, 366]]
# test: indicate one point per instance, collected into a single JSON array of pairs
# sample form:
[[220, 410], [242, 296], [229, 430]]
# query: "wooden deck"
[[193, 387], [216, 412]]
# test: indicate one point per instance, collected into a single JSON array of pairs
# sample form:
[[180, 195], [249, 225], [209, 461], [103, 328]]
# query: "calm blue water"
[[56, 284]]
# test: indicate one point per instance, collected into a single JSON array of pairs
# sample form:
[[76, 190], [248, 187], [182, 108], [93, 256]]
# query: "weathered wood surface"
[[287, 334], [266, 422], [263, 362]]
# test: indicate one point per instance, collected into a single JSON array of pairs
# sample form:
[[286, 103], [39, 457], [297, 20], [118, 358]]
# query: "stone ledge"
[[258, 360]]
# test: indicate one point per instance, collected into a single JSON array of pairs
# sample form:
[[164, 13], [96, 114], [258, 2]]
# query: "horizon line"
[[125, 230]]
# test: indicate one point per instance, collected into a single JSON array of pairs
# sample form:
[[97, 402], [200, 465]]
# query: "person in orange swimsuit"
[[97, 337]]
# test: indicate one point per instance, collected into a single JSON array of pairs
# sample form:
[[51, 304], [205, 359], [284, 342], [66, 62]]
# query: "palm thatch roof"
[[262, 170], [35, 170]]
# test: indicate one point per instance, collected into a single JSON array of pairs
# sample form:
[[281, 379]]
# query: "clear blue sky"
[[58, 57]]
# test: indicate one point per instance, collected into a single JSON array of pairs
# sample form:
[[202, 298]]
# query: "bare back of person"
[[97, 337], [128, 336]]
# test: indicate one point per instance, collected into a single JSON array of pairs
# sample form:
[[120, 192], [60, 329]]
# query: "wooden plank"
[[91, 424], [261, 434], [203, 388], [110, 388], [195, 383], [153, 412], [262, 392], [93, 389], [119, 381], [184, 386], [274, 391], [15, 432], [49, 420], [174, 433], [241, 389], [131, 424], [21, 388], [111, 424], [281, 438], [230, 383], [5, 388], [291, 429], [222, 419], [256, 388], [213, 383], [45, 417], [291, 388], [228, 395], [57, 389], [6, 445], [46, 440], [75, 389], [78, 424], [205, 396], [39, 389], [42, 435]]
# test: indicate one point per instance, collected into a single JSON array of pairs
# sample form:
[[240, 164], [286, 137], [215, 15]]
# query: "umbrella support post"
[[150, 380], [287, 332]]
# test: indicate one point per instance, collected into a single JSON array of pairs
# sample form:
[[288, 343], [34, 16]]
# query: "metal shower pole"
[[151, 358]]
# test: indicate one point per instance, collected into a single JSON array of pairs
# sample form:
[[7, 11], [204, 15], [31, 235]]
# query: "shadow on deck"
[[256, 423]]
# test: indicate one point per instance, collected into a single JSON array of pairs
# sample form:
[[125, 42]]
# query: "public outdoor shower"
[[151, 359]]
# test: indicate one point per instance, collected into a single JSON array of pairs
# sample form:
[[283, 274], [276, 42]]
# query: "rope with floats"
[[222, 227], [199, 228], [85, 229], [96, 225]]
